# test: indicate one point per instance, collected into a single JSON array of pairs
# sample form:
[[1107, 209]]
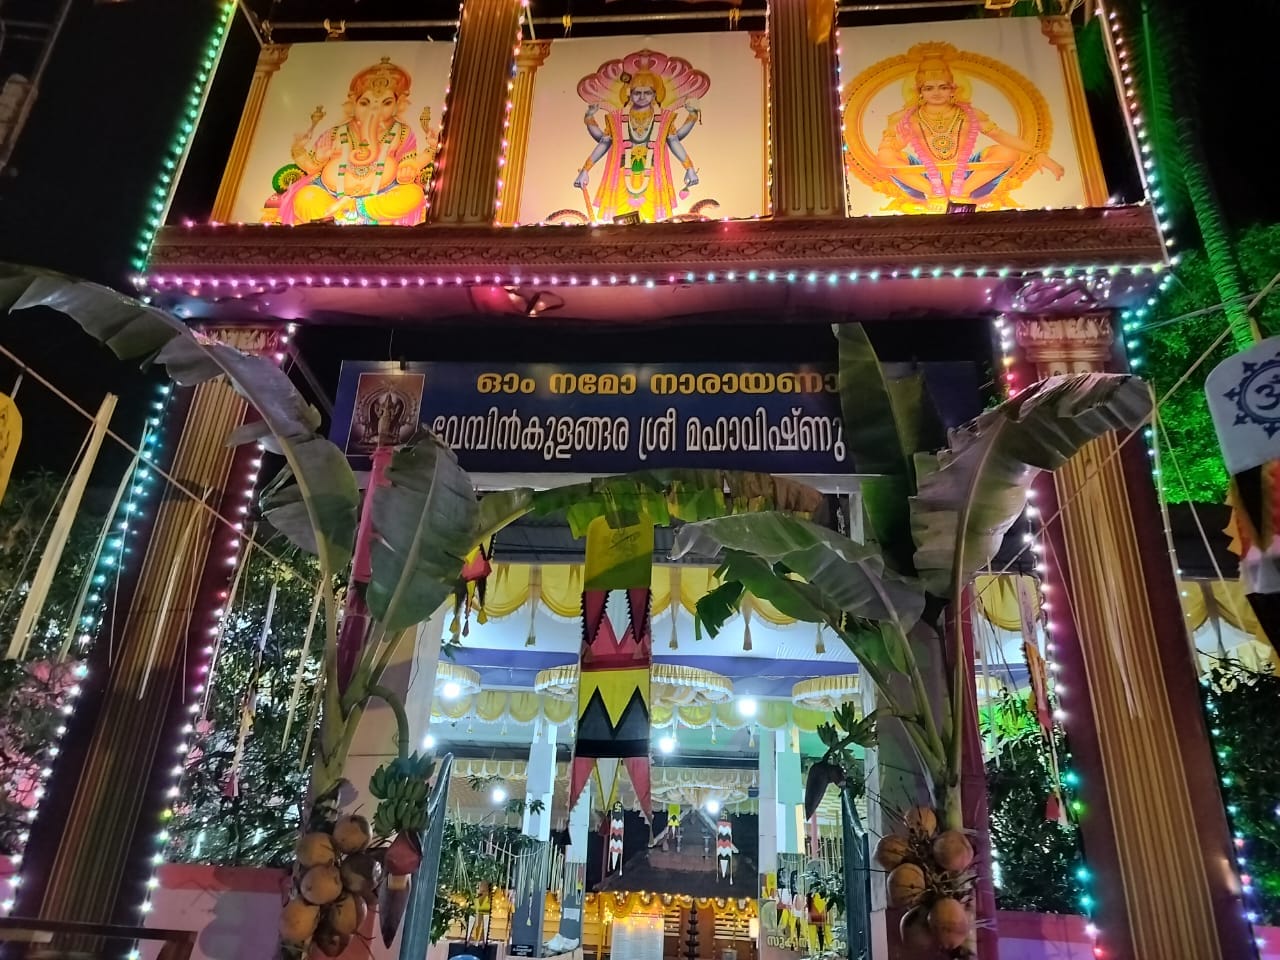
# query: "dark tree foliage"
[[1039, 858], [1242, 707], [249, 814], [33, 689], [1171, 346]]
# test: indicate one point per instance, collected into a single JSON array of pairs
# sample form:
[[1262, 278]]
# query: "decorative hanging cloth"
[[724, 847], [10, 437], [617, 824], [613, 685]]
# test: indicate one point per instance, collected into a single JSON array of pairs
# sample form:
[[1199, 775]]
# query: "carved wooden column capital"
[[532, 55], [271, 57], [1062, 345]]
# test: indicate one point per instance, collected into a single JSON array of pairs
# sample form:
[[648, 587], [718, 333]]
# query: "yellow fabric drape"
[[998, 597], [10, 438], [523, 707], [561, 591], [1233, 609], [620, 905]]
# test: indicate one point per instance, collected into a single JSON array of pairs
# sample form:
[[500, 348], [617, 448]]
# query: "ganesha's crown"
[[382, 77]]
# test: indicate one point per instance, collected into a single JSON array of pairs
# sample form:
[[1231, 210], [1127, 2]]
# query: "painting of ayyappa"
[[640, 111], [368, 169], [940, 145]]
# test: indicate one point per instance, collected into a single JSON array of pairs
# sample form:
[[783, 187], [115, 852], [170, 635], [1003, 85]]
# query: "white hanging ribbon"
[[73, 624], [250, 704], [33, 606], [296, 695], [170, 588]]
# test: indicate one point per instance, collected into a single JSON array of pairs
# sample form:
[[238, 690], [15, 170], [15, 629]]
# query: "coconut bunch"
[[929, 875], [335, 881]]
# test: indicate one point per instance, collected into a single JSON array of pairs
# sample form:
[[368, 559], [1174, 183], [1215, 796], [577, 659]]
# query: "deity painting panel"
[[387, 406], [645, 129], [963, 115], [348, 134]]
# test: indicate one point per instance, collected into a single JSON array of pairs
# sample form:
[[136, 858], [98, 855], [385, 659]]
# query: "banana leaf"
[[422, 895], [661, 495], [326, 489], [423, 524], [885, 422], [964, 508], [834, 571]]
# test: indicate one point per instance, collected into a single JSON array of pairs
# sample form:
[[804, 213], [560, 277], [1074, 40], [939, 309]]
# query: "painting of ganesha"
[[370, 168]]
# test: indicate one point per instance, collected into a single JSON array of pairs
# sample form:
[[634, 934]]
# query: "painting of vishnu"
[[941, 127], [640, 111], [636, 130]]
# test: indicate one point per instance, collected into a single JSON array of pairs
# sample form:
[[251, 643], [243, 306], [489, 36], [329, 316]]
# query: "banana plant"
[[957, 506], [421, 523]]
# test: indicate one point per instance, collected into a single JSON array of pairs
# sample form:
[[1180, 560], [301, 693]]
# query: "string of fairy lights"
[[1131, 322], [175, 154], [500, 179], [213, 607], [1035, 537], [107, 567]]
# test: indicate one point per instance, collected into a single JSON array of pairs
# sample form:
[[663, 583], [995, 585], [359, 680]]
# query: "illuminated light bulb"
[[499, 795], [428, 742], [667, 744], [713, 807], [747, 706], [451, 690]]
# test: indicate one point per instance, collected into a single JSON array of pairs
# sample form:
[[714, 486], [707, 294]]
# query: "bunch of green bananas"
[[401, 788]]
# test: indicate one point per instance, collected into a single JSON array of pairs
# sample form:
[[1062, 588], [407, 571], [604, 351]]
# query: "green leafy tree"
[[247, 811], [1039, 858], [1178, 334], [34, 688], [1241, 705]]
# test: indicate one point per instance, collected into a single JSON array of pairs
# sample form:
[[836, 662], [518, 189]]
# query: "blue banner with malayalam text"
[[612, 417]]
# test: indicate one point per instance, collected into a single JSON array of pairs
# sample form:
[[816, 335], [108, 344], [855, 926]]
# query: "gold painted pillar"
[[1060, 32], [760, 47], [1155, 833], [465, 184], [96, 844], [532, 55], [270, 59], [808, 175]]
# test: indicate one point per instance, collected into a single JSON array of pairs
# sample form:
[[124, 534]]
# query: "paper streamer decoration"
[[40, 583], [724, 846], [613, 684], [616, 847]]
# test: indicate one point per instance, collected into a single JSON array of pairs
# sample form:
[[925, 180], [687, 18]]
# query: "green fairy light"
[[177, 149]]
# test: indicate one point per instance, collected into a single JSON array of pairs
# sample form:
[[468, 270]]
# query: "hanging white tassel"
[[73, 623], [33, 606], [296, 696], [250, 705], [674, 594], [535, 597], [747, 608], [170, 588], [242, 564], [818, 646]]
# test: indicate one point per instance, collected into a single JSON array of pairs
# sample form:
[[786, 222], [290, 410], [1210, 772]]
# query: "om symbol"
[[1257, 396]]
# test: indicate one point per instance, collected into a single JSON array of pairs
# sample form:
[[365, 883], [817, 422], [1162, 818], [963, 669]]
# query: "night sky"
[[74, 199]]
